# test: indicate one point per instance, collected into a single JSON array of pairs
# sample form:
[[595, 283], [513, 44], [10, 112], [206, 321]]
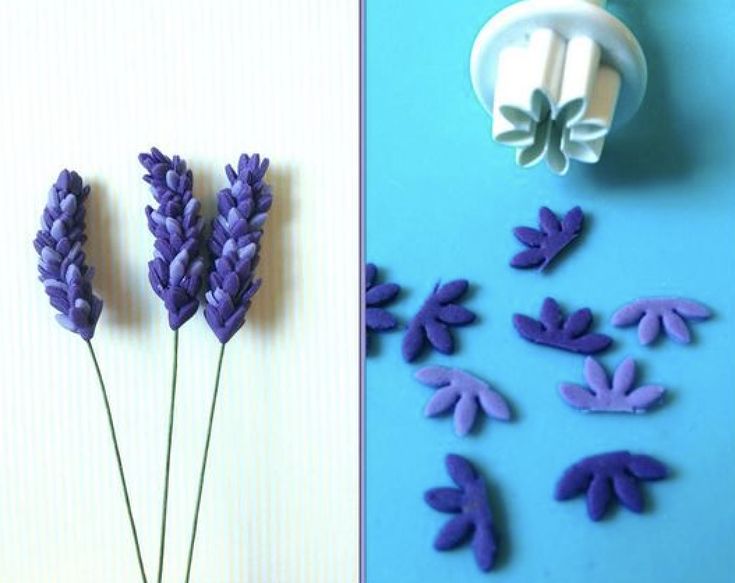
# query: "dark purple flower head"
[[176, 270], [473, 518], [62, 267], [235, 245]]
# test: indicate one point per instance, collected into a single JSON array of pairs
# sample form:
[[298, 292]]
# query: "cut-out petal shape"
[[465, 393], [377, 296], [620, 396], [471, 507], [553, 330], [616, 474], [545, 244], [653, 314], [433, 321]]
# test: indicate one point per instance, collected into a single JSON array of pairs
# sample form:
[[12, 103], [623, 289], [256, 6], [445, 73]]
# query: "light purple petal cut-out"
[[618, 398], [466, 393], [652, 314]]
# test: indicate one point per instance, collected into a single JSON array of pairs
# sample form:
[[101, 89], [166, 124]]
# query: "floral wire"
[[119, 461], [168, 455], [204, 464]]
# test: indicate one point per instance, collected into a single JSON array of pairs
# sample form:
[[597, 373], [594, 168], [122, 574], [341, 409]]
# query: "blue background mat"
[[442, 199]]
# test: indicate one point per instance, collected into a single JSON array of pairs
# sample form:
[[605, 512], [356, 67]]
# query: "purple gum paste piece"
[[552, 329], [616, 474], [547, 242]]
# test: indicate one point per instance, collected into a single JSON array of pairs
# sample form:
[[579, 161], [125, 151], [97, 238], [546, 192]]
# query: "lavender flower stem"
[[168, 454], [204, 463], [119, 462]]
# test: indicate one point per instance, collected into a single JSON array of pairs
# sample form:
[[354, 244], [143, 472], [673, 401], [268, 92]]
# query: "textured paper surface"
[[88, 85]]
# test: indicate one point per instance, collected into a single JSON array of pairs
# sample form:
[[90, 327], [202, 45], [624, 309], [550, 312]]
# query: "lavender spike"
[[235, 245], [571, 334], [651, 313], [175, 273], [546, 243], [619, 396], [463, 392], [62, 264], [606, 475], [469, 502]]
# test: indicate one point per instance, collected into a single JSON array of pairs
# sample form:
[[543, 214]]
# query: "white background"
[[87, 85]]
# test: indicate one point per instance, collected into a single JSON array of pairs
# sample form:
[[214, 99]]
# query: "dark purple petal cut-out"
[[465, 393], [572, 334], [618, 396], [653, 314], [432, 323], [545, 244], [377, 296], [603, 476], [471, 507]]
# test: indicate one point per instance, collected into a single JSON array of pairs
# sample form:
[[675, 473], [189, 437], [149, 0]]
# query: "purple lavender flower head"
[[176, 270], [235, 245], [61, 266]]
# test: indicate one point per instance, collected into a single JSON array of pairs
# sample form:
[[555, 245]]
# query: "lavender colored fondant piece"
[[377, 296], [469, 502], [234, 245], [571, 334], [62, 263], [547, 242], [176, 271], [463, 392], [651, 313], [606, 475], [432, 322], [618, 396]]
